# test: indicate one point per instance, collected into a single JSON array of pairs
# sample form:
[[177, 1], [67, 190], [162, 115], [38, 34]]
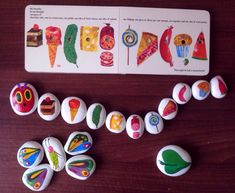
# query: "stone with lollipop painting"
[[73, 110]]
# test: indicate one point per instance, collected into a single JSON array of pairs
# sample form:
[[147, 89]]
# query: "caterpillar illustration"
[[69, 43]]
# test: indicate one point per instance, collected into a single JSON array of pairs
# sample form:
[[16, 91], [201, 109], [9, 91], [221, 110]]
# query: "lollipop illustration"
[[129, 39]]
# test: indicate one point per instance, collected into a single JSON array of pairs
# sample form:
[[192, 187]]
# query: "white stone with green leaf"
[[174, 161]]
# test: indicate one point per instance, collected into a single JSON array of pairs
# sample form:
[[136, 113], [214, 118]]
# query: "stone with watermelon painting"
[[218, 87]]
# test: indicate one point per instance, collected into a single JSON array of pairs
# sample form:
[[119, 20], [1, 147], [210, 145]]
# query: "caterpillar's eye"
[[27, 94], [19, 97]]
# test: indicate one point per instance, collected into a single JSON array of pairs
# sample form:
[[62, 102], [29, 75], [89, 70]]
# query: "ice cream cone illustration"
[[53, 37], [52, 50], [74, 105]]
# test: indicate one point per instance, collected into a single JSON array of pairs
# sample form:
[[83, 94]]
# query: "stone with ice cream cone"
[[73, 110]]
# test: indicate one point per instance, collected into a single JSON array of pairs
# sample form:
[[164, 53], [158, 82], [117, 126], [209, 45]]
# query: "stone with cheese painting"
[[115, 122], [181, 93], [23, 98], [135, 126], [48, 107], [173, 161], [168, 108]]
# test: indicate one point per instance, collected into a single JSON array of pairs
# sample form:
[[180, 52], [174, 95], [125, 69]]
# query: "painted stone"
[[78, 142], [73, 110], [135, 126], [168, 108], [54, 153], [38, 178], [115, 122], [218, 87], [173, 161], [153, 122], [181, 93], [48, 107], [23, 99], [201, 89], [80, 167], [96, 115], [30, 154]]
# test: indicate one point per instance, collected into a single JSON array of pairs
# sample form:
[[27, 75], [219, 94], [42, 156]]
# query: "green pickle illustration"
[[69, 43]]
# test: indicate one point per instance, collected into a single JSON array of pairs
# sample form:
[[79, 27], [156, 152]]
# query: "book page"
[[71, 39], [164, 41]]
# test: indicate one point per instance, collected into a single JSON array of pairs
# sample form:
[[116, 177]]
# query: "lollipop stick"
[[128, 55]]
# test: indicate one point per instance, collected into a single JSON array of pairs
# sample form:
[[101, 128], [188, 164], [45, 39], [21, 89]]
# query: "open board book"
[[116, 40]]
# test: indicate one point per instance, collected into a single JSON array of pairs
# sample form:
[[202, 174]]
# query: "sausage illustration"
[[69, 43], [164, 46]]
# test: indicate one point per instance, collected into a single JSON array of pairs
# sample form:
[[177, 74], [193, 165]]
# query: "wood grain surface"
[[205, 129]]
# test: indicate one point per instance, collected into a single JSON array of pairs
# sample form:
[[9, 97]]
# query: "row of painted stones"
[[38, 176], [24, 101]]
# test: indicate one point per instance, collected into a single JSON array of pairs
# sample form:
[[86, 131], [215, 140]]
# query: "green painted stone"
[[172, 160]]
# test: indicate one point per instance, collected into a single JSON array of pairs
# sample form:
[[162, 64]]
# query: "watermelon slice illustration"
[[199, 51]]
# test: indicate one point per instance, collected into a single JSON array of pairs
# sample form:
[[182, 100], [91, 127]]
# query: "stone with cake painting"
[[181, 93], [80, 167], [73, 110], [153, 122], [115, 122], [34, 36], [30, 154], [48, 107], [173, 160], [55, 153], [38, 178], [78, 142], [96, 115], [135, 126], [23, 99], [168, 108], [201, 89], [218, 87]]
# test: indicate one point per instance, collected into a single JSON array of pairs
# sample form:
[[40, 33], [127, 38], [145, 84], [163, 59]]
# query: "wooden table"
[[204, 128]]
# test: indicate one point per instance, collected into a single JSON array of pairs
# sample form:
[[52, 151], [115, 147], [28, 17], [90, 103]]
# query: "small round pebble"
[[80, 167], [55, 153], [78, 142], [73, 110], [96, 116], [218, 87], [201, 89], [173, 160], [153, 122], [24, 99], [182, 93], [48, 107], [135, 126], [38, 178], [30, 154], [115, 122], [168, 108]]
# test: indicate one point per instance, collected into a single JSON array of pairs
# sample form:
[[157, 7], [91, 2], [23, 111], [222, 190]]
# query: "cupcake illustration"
[[182, 43]]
